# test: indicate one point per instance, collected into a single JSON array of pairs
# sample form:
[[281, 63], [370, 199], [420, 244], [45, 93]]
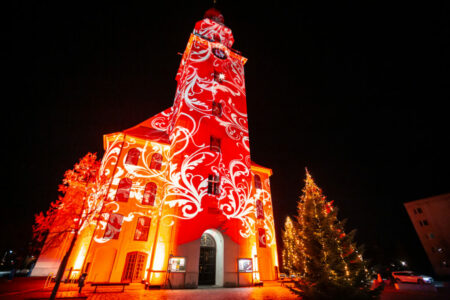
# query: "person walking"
[[81, 281]]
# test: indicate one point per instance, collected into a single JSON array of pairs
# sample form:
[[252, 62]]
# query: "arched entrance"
[[210, 269], [207, 263]]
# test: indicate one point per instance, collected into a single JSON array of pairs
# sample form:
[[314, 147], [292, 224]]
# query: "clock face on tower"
[[219, 53]]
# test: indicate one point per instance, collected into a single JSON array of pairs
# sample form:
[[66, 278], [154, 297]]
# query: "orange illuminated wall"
[[180, 174]]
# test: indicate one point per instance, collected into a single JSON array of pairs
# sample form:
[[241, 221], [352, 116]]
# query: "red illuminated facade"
[[182, 177]]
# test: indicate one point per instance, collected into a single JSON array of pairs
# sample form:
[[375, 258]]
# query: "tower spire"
[[215, 15]]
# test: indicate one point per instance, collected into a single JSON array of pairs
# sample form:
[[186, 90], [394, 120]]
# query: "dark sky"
[[353, 90]]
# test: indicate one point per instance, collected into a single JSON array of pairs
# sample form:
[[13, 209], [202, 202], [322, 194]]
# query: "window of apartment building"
[[214, 144], [142, 229], [214, 184], [257, 180], [123, 190], [149, 194], [217, 109], [423, 223], [437, 249], [133, 157], [113, 227], [418, 210], [156, 162]]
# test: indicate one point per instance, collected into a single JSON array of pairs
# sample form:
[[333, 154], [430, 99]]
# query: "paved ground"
[[28, 288], [136, 291]]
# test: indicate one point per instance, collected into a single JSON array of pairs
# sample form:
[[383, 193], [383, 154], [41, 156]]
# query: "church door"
[[207, 264], [134, 267]]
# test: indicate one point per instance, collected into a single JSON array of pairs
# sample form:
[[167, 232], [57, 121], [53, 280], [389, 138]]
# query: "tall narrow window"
[[149, 194], [262, 237], [214, 184], [217, 109], [214, 144], [259, 209], [156, 162], [257, 181], [142, 229], [113, 228], [123, 190], [133, 157]]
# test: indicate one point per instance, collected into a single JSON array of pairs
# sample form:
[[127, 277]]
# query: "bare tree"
[[74, 209]]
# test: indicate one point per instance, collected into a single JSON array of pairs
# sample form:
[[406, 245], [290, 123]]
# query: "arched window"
[[142, 229], [262, 237], [156, 162], [123, 190], [113, 228], [217, 109], [133, 157], [259, 209], [257, 181], [214, 144], [207, 241], [149, 194]]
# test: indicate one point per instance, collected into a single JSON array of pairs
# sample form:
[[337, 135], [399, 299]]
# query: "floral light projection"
[[189, 124], [165, 181]]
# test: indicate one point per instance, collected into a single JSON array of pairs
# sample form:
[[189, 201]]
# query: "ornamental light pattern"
[[180, 175]]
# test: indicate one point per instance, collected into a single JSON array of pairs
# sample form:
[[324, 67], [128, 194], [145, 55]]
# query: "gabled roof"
[[153, 129], [148, 133], [260, 168]]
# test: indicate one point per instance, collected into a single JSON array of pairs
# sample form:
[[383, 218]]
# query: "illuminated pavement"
[[31, 289], [137, 292]]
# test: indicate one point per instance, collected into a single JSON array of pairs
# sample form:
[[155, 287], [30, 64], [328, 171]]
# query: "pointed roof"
[[153, 129]]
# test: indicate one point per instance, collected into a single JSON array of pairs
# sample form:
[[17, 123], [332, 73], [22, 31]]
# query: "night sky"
[[353, 91]]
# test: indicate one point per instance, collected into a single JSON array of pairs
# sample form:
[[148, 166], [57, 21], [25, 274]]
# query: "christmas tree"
[[291, 259], [329, 264]]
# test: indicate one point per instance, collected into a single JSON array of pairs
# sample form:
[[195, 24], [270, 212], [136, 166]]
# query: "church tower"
[[182, 202], [212, 184]]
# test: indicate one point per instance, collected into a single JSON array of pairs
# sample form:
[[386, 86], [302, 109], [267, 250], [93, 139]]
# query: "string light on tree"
[[317, 248]]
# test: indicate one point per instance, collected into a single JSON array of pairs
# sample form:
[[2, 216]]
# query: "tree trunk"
[[62, 267]]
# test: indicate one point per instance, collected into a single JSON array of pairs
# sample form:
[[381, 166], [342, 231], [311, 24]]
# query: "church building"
[[182, 203]]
